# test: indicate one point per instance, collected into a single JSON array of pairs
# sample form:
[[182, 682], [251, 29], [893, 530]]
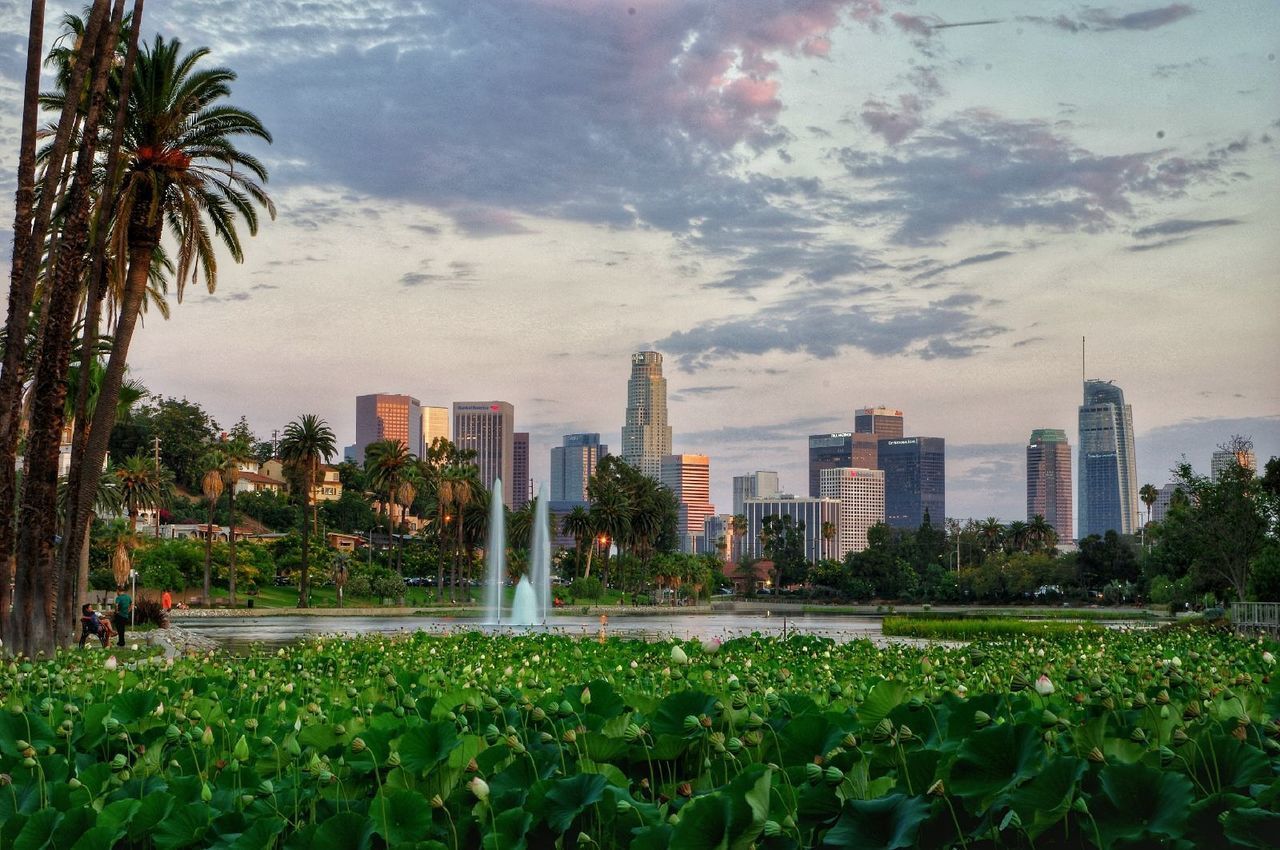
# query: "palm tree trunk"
[[304, 582], [208, 556], [31, 223], [80, 501], [38, 580], [231, 546]]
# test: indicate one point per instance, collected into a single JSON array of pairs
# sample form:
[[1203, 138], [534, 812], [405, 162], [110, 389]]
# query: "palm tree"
[[460, 484], [235, 452], [1017, 535], [181, 167], [140, 485], [1040, 533], [992, 533], [211, 486], [1148, 494], [577, 523], [610, 515], [308, 443], [388, 464]]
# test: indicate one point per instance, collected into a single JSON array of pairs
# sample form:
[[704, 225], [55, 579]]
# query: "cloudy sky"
[[807, 206]]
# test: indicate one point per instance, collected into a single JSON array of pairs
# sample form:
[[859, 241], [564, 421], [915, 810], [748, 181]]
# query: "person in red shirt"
[[166, 601]]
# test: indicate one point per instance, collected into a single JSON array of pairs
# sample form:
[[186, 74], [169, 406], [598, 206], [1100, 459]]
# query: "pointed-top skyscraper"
[[646, 436], [1108, 491]]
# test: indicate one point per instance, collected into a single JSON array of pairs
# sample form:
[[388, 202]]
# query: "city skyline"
[[774, 204]]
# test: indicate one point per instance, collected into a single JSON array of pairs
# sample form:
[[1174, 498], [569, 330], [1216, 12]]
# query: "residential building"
[[810, 512], [915, 479], [1224, 459], [488, 429], [884, 422], [520, 470], [842, 450], [861, 496], [386, 416], [1049, 480], [572, 465], [689, 477], [435, 426], [1108, 491], [256, 482], [328, 486], [646, 436], [758, 484]]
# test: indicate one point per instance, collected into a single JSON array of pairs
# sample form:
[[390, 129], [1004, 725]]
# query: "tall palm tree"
[[1148, 494], [389, 463], [610, 514], [181, 167], [577, 523], [992, 532], [1039, 532], [140, 485], [1017, 535], [211, 486], [236, 452], [461, 484], [308, 443]]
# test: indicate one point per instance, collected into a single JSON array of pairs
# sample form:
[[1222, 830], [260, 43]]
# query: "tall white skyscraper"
[[646, 436], [1108, 491], [861, 496]]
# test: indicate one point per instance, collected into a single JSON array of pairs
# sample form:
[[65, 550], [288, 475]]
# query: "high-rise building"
[[435, 426], [520, 489], [718, 537], [1224, 459], [488, 429], [812, 513], [884, 422], [861, 496], [1049, 480], [1108, 491], [573, 464], [1164, 500], [915, 479], [841, 450], [758, 484], [386, 416], [646, 436], [689, 477]]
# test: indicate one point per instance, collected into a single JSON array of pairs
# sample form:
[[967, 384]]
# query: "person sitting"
[[91, 624]]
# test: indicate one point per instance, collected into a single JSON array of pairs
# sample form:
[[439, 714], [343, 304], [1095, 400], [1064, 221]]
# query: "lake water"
[[240, 633]]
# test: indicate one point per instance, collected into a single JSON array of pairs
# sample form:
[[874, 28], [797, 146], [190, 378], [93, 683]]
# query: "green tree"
[[234, 454], [1230, 521], [140, 484], [185, 431], [308, 443]]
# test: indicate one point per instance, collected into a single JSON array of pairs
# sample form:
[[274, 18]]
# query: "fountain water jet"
[[533, 591]]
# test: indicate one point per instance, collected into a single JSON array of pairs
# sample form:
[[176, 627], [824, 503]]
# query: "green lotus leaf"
[[887, 823], [565, 799], [1046, 799], [1138, 802], [399, 816], [883, 698], [509, 831], [1257, 828], [671, 712], [994, 760], [729, 819], [427, 746], [344, 831], [185, 826]]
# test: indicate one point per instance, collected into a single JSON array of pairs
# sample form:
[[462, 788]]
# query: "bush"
[[985, 627], [387, 585], [586, 588], [102, 580], [150, 611]]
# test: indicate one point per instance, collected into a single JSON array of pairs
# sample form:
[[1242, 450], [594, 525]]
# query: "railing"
[[1256, 616]]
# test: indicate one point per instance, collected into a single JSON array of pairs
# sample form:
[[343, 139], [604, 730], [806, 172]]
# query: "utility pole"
[[155, 440]]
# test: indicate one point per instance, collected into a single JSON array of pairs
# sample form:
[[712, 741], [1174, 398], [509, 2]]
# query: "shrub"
[[102, 580], [387, 585], [935, 628], [149, 611], [586, 588]]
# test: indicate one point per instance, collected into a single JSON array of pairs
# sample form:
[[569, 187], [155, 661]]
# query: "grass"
[[971, 628], [982, 611]]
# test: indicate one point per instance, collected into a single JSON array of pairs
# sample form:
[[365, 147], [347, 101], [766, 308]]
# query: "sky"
[[808, 207]]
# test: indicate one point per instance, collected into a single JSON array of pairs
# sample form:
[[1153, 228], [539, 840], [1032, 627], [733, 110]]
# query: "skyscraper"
[[884, 422], [435, 426], [689, 477], [646, 436], [915, 479], [840, 451], [386, 416], [573, 464], [488, 429], [519, 469], [1108, 492], [756, 485], [813, 513], [1225, 458], [1049, 479], [861, 496]]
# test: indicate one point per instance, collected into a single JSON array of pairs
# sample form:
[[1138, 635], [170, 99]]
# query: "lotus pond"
[[1109, 739]]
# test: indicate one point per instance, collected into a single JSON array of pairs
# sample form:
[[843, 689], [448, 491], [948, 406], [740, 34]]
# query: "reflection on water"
[[240, 633]]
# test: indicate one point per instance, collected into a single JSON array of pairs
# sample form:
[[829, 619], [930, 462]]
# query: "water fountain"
[[533, 591], [494, 556]]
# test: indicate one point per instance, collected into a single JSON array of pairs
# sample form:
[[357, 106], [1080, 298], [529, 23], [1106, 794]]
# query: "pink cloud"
[[892, 124], [819, 46], [914, 24]]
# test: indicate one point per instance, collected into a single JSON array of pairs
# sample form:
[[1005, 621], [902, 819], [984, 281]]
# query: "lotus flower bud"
[[883, 731], [1044, 687], [479, 788], [393, 759], [1096, 756], [206, 739], [772, 829], [678, 656], [1018, 683], [833, 775], [813, 772], [937, 789]]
